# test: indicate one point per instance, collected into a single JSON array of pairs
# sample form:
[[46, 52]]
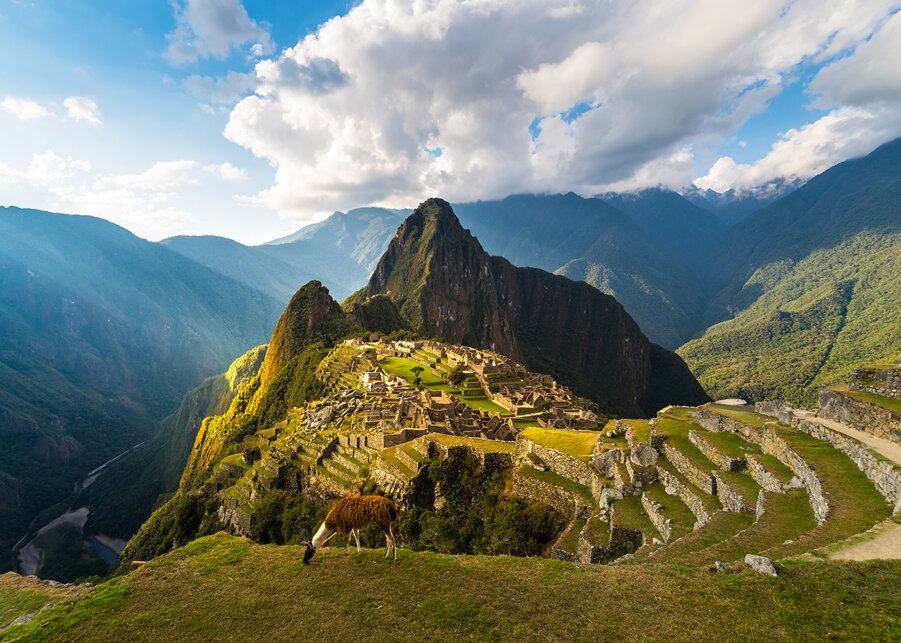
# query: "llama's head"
[[308, 554]]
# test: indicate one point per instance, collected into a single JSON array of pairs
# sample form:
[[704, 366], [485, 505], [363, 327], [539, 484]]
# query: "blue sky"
[[247, 120]]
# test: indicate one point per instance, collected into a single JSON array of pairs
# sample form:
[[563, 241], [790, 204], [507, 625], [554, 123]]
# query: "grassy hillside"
[[224, 588], [813, 285]]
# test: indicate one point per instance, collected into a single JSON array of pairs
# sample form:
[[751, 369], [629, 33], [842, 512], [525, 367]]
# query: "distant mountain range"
[[808, 286], [101, 334], [645, 249]]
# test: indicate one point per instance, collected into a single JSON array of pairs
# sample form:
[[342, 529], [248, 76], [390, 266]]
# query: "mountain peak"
[[447, 286]]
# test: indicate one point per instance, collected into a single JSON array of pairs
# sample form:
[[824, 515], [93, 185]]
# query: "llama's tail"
[[392, 512]]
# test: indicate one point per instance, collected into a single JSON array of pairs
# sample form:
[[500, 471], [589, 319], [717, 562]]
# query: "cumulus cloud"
[[227, 172], [228, 89], [862, 92], [79, 108], [144, 202], [43, 170], [213, 28], [24, 108], [526, 97]]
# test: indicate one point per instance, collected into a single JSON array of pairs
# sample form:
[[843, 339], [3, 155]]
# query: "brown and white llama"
[[351, 514]]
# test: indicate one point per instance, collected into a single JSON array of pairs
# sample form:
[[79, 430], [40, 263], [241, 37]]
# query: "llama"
[[351, 514]]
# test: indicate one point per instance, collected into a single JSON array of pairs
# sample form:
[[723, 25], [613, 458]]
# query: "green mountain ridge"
[[101, 333], [841, 232]]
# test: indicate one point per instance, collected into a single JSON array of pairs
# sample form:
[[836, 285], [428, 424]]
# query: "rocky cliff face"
[[447, 286]]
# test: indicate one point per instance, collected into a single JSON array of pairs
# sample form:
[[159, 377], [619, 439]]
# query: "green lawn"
[[711, 503], [722, 526], [677, 432], [729, 444], [681, 519], [629, 513], [570, 540], [854, 503], [579, 444], [743, 484], [390, 455], [744, 414], [641, 430], [222, 588], [402, 367], [483, 405], [788, 516]]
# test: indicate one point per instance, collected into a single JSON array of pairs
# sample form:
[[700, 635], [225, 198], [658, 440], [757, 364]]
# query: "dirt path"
[[886, 448], [886, 544]]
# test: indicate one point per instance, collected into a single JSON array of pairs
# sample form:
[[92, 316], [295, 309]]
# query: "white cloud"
[[43, 170], [145, 202], [212, 28], [79, 108], [616, 91], [862, 92], [24, 108], [228, 89], [227, 172], [163, 175]]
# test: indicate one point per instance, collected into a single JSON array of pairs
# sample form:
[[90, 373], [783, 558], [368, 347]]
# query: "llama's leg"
[[394, 542], [356, 533], [347, 542], [387, 543]]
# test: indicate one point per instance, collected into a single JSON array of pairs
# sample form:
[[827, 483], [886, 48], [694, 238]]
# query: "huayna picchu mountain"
[[447, 286]]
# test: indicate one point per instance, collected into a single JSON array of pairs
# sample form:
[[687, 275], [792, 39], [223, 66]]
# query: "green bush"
[[476, 517]]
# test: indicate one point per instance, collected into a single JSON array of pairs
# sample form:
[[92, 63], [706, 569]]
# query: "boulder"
[[760, 564], [605, 462], [644, 455]]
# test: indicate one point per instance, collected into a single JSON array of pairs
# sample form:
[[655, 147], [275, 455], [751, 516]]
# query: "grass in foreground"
[[20, 596], [578, 444], [227, 589]]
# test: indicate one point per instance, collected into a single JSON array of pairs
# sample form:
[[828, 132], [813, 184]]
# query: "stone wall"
[[655, 514], [716, 422], [776, 446], [641, 476], [870, 418], [674, 487], [885, 477], [560, 463], [625, 540], [703, 479], [732, 500], [719, 459], [883, 381], [566, 502], [766, 480], [782, 411]]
